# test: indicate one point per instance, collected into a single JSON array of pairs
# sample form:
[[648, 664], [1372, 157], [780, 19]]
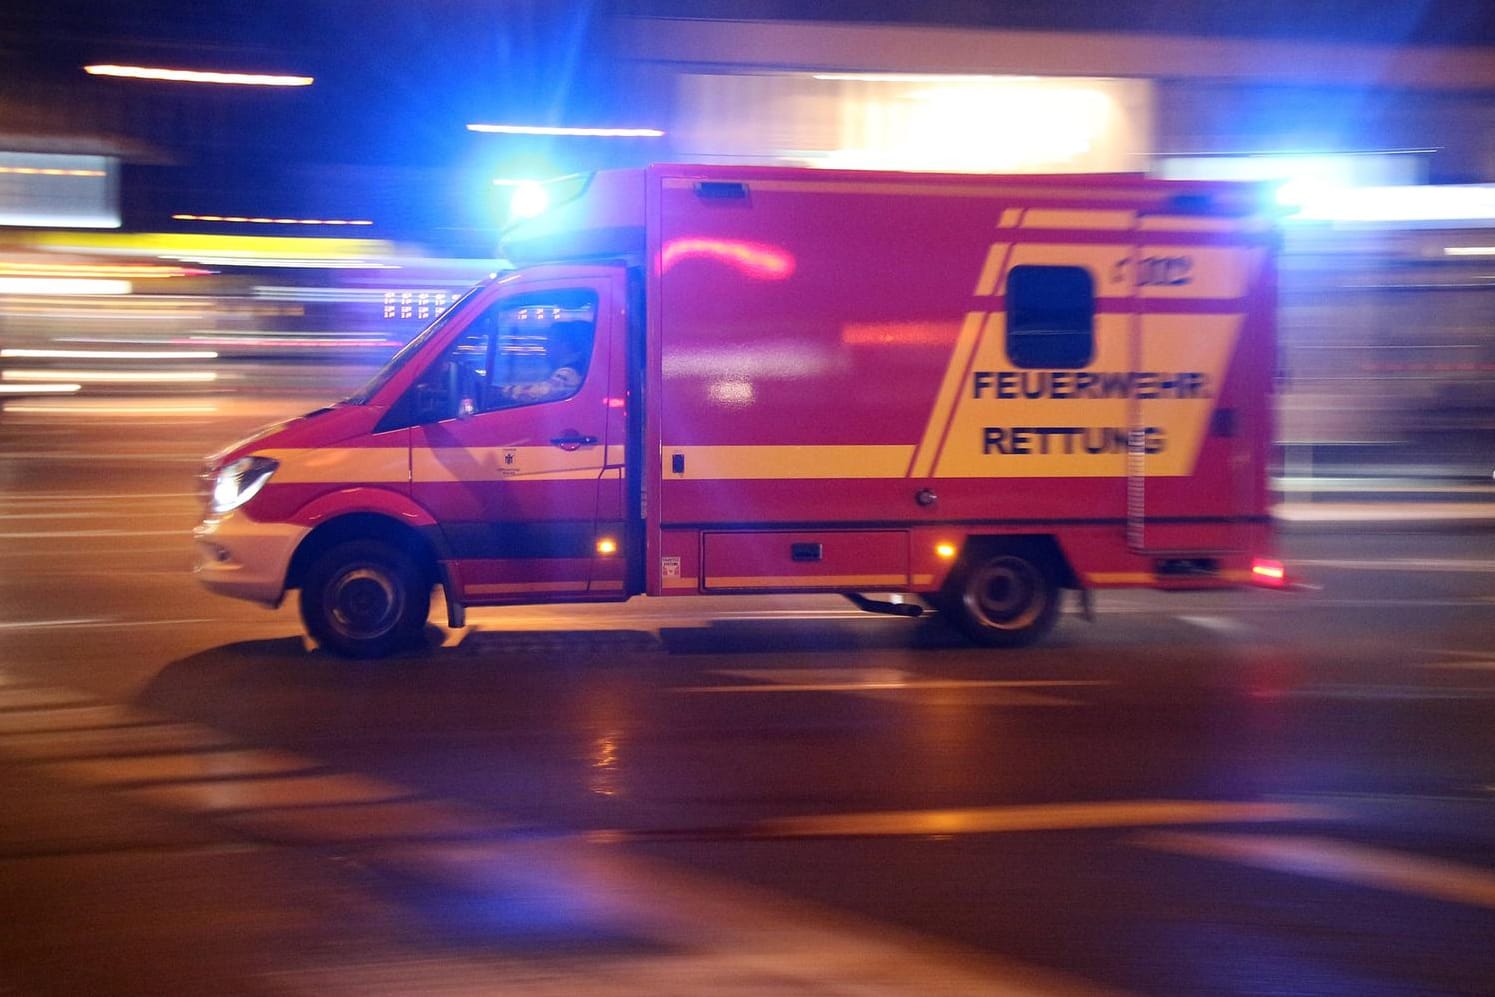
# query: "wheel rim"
[[1005, 593], [364, 603]]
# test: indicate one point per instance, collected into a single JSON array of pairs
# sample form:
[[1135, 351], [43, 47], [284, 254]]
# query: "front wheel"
[[1004, 598], [364, 599]]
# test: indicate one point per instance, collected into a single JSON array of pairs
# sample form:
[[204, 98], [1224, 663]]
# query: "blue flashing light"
[[529, 199]]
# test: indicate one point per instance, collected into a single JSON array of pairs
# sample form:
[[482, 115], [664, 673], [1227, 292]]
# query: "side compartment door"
[[514, 469]]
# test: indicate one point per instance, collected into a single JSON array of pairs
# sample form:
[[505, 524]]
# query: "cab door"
[[514, 467]]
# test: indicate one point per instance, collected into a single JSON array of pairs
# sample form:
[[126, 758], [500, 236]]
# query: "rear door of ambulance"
[[1202, 357]]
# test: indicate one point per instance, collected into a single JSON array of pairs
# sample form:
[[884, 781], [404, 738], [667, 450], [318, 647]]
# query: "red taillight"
[[1270, 573]]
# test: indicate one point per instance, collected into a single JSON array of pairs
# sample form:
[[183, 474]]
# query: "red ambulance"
[[975, 390]]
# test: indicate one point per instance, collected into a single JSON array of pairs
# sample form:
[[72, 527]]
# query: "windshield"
[[392, 366]]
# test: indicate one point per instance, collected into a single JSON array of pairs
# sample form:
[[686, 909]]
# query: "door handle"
[[572, 440]]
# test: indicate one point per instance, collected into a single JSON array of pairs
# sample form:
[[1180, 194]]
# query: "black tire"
[[365, 599], [1004, 597]]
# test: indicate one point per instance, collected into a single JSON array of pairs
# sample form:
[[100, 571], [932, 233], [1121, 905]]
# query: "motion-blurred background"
[[309, 182]]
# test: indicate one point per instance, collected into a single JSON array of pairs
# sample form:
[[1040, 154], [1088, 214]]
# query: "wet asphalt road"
[[1239, 793]]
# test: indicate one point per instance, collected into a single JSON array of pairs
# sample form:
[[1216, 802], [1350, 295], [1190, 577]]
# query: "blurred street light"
[[243, 220], [573, 132], [195, 76]]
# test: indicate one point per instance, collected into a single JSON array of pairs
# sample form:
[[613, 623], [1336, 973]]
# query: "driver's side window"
[[522, 350]]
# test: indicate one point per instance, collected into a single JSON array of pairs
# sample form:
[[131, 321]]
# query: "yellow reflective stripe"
[[338, 465], [1214, 271], [955, 372], [457, 464], [986, 284], [682, 583], [504, 588], [439, 476], [1188, 223], [1111, 220], [1010, 217], [803, 581], [991, 329], [1203, 343], [384, 465], [1194, 343], [1147, 578], [1120, 577], [771, 462]]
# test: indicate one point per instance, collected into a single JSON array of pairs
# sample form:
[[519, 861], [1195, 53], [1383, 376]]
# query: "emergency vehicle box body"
[[818, 381]]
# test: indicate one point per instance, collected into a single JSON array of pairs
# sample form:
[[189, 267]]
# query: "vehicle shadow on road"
[[765, 636], [280, 691], [285, 672]]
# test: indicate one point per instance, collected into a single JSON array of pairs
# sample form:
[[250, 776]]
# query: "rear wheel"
[[1004, 597], [365, 598]]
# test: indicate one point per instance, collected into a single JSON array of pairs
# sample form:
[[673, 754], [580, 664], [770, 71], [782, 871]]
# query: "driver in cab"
[[566, 352]]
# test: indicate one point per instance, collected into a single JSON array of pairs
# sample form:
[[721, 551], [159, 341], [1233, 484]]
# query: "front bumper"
[[235, 556]]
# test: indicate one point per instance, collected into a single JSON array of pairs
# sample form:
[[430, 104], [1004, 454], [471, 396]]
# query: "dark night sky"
[[310, 25]]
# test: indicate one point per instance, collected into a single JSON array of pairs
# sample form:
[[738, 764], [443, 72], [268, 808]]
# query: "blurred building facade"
[[1385, 156]]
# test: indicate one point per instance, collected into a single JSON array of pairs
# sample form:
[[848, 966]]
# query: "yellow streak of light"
[[140, 270], [83, 408], [20, 353], [1341, 861], [113, 376], [39, 171], [208, 244], [241, 219], [63, 287], [1043, 817], [198, 76], [560, 131]]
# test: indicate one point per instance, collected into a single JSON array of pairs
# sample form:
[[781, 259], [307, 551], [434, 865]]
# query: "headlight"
[[240, 481]]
